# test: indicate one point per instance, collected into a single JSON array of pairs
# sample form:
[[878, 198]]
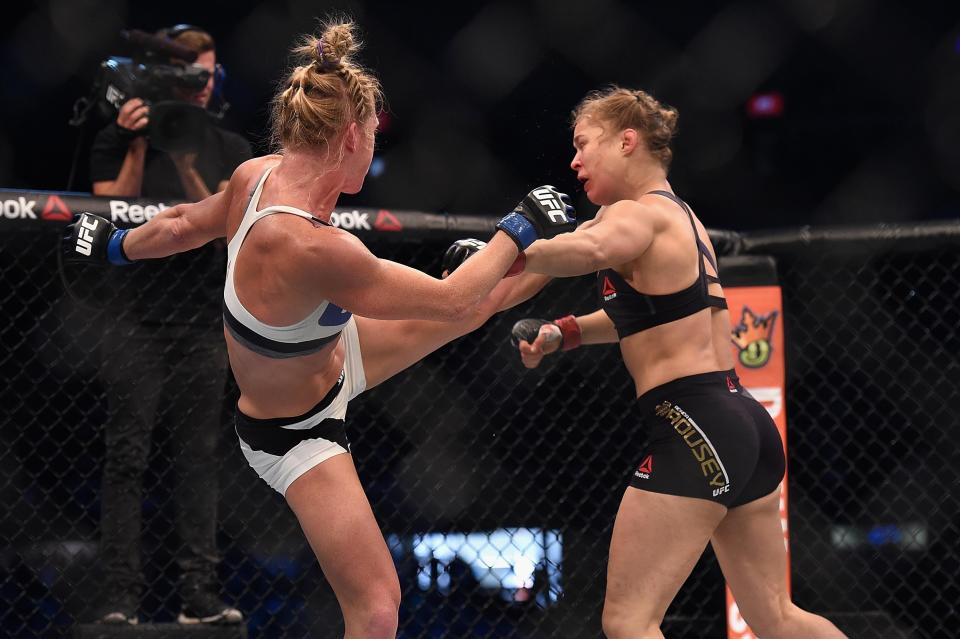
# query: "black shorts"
[[708, 438]]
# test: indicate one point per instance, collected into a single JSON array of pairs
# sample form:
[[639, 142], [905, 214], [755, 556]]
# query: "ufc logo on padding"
[[84, 236], [553, 208]]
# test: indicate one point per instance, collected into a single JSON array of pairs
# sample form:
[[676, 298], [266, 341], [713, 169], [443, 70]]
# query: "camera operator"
[[167, 365], [122, 163]]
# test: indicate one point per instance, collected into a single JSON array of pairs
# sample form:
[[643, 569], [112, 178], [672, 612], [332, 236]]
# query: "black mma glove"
[[458, 253], [91, 239], [461, 250], [567, 330], [543, 213]]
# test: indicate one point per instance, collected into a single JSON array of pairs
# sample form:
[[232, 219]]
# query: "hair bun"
[[325, 61], [336, 43]]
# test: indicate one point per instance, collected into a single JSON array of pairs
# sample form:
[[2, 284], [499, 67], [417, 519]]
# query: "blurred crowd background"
[[792, 112]]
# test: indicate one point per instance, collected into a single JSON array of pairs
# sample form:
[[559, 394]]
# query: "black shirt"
[[184, 289], [220, 153]]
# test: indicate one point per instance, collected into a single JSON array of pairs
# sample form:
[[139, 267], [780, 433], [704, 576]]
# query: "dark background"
[[479, 96], [478, 104]]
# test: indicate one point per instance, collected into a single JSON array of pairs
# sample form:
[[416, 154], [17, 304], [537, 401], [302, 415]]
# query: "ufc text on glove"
[[91, 239], [543, 213]]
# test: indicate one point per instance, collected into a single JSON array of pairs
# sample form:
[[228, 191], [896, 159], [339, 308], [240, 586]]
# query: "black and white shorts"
[[284, 448], [708, 438]]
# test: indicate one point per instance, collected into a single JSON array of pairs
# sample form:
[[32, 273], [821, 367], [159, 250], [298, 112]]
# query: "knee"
[[381, 624], [622, 622], [772, 620], [377, 615]]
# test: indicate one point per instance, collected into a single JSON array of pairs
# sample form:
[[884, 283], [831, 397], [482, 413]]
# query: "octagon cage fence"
[[496, 487]]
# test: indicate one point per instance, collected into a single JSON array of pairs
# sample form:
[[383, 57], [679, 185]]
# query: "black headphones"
[[178, 29], [219, 73]]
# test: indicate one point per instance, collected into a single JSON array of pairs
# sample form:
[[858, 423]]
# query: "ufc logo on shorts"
[[84, 236], [554, 210]]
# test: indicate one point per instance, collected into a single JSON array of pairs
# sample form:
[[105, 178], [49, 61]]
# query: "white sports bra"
[[309, 335]]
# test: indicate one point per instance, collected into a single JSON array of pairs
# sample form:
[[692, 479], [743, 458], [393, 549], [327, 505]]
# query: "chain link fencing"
[[496, 487], [872, 321]]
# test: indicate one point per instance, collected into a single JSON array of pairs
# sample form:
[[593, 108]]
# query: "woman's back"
[[268, 267], [692, 344]]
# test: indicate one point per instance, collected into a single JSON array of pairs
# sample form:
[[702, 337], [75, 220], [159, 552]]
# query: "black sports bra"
[[633, 311]]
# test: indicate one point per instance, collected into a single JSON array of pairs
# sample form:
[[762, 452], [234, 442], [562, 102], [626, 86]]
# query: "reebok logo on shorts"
[[646, 467], [701, 448]]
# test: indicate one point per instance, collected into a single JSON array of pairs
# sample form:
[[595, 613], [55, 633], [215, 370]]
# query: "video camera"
[[175, 125]]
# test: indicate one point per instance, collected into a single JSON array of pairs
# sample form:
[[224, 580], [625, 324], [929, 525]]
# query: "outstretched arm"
[[381, 289], [358, 281], [391, 346], [519, 289], [179, 228], [91, 239], [623, 233], [528, 283], [515, 291], [94, 240]]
